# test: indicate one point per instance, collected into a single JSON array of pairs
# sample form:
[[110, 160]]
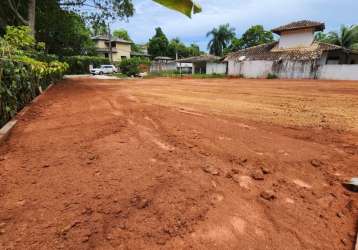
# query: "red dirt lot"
[[182, 164]]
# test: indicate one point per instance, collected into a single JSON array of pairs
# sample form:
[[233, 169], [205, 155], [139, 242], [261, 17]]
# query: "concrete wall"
[[256, 69], [293, 39], [295, 69], [338, 72], [233, 68], [216, 68], [283, 69], [250, 69], [162, 67]]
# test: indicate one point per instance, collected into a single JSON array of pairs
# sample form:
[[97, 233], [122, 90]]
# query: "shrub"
[[272, 76], [80, 64], [22, 75], [20, 80], [133, 66]]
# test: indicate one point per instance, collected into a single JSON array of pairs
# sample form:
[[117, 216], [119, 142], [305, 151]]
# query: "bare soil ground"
[[183, 164]]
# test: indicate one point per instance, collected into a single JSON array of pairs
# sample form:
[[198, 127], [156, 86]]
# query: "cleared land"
[[183, 164]]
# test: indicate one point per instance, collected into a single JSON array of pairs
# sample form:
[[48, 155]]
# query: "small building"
[[163, 59], [163, 64], [184, 68], [205, 64], [295, 55], [121, 49]]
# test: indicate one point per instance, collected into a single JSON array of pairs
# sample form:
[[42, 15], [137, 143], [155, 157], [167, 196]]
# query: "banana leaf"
[[187, 7]]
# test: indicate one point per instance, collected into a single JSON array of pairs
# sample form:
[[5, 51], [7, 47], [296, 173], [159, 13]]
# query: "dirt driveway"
[[182, 164]]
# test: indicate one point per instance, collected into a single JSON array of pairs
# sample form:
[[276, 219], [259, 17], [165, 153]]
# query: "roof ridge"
[[301, 24], [253, 47]]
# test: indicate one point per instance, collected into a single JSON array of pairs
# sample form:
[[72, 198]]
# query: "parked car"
[[104, 69]]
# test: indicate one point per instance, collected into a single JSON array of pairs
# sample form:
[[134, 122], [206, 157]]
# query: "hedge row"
[[133, 66], [80, 64], [20, 80]]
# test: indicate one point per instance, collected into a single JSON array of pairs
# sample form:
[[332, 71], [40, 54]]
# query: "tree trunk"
[[32, 15]]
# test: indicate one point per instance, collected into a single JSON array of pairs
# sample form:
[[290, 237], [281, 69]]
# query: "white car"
[[104, 69]]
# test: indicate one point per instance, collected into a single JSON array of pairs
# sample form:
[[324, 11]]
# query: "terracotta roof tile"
[[318, 26], [270, 51], [203, 58]]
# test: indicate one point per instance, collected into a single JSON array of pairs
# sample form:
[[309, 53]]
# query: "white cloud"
[[241, 14]]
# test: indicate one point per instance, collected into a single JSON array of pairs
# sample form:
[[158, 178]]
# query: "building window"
[[106, 55], [123, 57]]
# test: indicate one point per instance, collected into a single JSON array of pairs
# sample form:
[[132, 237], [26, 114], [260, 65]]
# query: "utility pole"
[[110, 44]]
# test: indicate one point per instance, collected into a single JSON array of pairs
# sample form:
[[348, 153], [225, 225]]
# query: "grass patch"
[[272, 76], [175, 74], [119, 75]]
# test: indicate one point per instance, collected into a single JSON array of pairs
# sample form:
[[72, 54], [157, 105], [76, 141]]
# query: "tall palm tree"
[[221, 38], [347, 37]]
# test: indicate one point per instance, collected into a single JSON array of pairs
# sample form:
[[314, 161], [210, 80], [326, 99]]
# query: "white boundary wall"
[[293, 70], [256, 69], [162, 67], [338, 72], [250, 69], [216, 68]]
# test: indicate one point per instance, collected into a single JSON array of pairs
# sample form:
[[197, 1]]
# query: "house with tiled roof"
[[295, 55], [119, 48]]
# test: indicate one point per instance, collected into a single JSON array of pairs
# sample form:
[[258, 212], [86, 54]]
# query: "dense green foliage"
[[63, 32], [254, 36], [158, 44], [178, 48], [221, 38], [132, 67], [21, 76], [81, 64], [347, 37], [122, 33], [24, 12]]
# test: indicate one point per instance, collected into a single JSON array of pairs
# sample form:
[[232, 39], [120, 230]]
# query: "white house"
[[295, 55]]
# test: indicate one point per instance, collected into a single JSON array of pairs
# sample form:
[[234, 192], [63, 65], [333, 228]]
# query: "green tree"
[[177, 48], [256, 35], [194, 50], [321, 37], [221, 38], [94, 10], [99, 28], [236, 44], [66, 38], [158, 44], [122, 33], [347, 37]]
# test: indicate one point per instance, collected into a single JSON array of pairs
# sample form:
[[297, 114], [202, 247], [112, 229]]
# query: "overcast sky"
[[240, 14]]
